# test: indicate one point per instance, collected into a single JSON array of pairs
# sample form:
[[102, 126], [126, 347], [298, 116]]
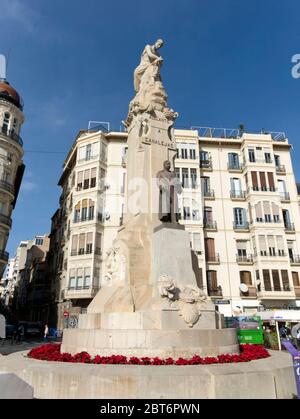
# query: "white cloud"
[[28, 186], [18, 12]]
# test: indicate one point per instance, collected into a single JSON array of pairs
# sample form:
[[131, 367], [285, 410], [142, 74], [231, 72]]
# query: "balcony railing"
[[5, 220], [258, 189], [83, 219], [237, 194], [243, 226], [4, 256], [289, 227], [88, 158], [12, 135], [210, 225], [295, 260], [215, 292], [210, 193], [285, 196], [206, 164], [7, 186], [81, 252], [213, 258], [280, 170], [247, 259], [264, 253], [251, 293], [235, 167]]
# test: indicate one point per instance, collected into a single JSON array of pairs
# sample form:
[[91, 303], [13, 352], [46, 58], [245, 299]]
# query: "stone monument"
[[151, 302]]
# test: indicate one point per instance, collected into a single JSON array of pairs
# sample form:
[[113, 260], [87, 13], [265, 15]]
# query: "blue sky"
[[226, 62]]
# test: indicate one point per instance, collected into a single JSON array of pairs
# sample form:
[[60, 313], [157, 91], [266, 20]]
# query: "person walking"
[[46, 333]]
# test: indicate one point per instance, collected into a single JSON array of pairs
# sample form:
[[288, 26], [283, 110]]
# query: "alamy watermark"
[[296, 67]]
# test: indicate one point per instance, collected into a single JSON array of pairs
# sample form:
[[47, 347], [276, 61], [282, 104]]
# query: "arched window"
[[14, 129]]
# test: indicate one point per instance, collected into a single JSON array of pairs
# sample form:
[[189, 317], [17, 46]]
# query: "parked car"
[[32, 328]]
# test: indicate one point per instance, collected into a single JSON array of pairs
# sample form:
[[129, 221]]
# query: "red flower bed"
[[51, 352]]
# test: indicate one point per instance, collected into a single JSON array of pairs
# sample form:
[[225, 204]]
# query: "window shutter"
[[296, 281], [89, 238], [267, 207], [263, 182], [275, 209], [267, 280], [285, 279], [271, 180], [262, 243], [74, 242], [81, 240], [276, 280], [79, 177], [254, 180]]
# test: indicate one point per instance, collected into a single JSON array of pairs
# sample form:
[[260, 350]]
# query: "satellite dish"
[[243, 288]]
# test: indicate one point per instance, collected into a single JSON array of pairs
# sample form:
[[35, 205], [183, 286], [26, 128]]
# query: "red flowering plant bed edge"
[[51, 352]]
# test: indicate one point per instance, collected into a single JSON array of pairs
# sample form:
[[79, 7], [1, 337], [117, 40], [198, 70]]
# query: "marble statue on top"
[[151, 96]]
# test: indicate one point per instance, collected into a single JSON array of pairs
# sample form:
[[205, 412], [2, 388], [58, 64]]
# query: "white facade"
[[239, 203]]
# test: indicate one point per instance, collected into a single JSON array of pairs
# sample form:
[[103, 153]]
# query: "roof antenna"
[[2, 67]]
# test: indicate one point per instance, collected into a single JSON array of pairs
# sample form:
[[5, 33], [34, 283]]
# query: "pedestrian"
[[46, 333], [298, 340], [20, 333]]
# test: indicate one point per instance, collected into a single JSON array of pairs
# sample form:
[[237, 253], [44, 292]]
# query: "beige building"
[[239, 203], [11, 164]]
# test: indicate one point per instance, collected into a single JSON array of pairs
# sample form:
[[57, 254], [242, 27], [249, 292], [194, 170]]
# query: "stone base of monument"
[[12, 387], [270, 378]]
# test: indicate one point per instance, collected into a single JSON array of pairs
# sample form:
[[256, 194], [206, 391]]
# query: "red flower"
[[51, 352]]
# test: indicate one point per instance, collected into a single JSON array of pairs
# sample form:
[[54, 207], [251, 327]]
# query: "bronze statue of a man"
[[169, 188]]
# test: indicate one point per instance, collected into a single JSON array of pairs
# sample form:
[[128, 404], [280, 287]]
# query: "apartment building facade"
[[239, 203]]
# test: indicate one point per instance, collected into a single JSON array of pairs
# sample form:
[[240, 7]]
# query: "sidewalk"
[[7, 348]]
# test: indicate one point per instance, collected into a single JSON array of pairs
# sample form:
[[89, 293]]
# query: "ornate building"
[[239, 203], [11, 164]]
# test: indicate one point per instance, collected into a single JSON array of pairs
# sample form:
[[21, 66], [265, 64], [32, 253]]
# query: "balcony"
[[4, 256], [251, 293], [258, 189], [295, 260], [215, 292], [210, 225], [12, 135], [289, 227], [209, 194], [206, 165], [274, 294], [213, 259], [280, 170], [241, 227], [81, 252], [244, 260], [235, 168], [83, 219], [81, 292], [7, 187], [88, 158], [285, 197], [237, 195], [5, 220]]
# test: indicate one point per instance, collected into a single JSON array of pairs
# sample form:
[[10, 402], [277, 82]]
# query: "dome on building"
[[9, 93]]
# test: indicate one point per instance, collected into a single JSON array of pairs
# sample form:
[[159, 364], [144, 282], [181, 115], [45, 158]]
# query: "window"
[[233, 161], [205, 183], [251, 154], [204, 156], [5, 122], [87, 277], [245, 278], [267, 280], [196, 241], [79, 282], [296, 281], [103, 152], [72, 279], [88, 152], [277, 160], [268, 158], [186, 213], [208, 217], [212, 283], [192, 154], [194, 178], [239, 216], [39, 241], [241, 246], [185, 178]]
